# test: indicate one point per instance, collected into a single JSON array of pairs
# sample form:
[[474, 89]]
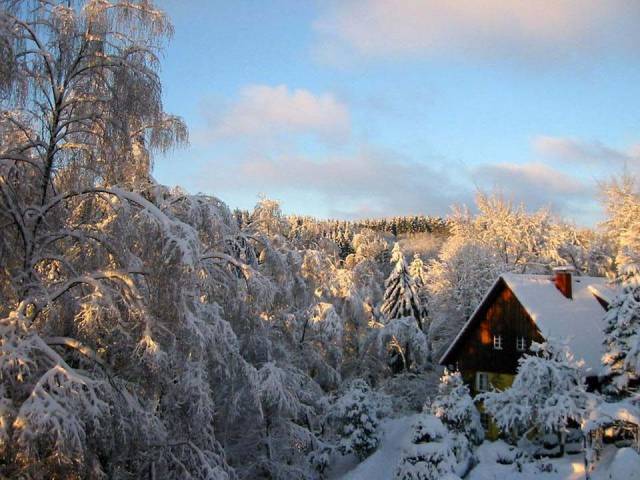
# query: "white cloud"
[[537, 185], [543, 30], [594, 153], [372, 182], [264, 110]]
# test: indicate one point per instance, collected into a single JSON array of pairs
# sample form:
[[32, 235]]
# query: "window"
[[485, 420], [521, 344], [482, 381], [497, 342]]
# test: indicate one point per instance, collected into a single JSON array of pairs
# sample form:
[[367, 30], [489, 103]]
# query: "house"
[[521, 308]]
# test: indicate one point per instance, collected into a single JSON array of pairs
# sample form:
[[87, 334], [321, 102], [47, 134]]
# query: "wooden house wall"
[[501, 314]]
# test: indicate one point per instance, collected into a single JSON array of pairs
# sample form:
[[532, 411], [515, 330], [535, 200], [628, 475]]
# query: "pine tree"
[[621, 357], [455, 408], [358, 420], [401, 297], [431, 455]]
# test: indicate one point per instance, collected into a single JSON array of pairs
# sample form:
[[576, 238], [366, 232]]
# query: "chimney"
[[562, 280]]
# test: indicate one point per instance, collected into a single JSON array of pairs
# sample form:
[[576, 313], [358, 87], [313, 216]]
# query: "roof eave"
[[468, 323]]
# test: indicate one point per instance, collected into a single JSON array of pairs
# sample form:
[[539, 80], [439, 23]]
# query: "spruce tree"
[[621, 357], [401, 297]]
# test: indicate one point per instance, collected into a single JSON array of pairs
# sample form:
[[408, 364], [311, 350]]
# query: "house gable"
[[499, 314]]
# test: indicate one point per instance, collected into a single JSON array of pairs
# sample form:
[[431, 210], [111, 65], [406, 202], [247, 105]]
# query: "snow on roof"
[[578, 320]]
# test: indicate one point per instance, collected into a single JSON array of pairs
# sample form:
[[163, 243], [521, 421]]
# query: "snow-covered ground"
[[615, 463]]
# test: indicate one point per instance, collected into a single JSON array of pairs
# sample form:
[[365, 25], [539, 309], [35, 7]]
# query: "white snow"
[[396, 436], [615, 463], [577, 320], [606, 413]]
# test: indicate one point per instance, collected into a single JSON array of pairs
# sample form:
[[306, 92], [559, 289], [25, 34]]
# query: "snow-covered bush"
[[454, 406], [431, 455], [547, 393], [357, 417], [408, 390]]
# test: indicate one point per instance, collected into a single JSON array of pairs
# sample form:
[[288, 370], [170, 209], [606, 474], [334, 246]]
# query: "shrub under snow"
[[432, 455], [454, 406], [356, 411]]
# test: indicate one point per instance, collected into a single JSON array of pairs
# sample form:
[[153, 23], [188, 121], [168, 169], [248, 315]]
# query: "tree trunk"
[[561, 442]]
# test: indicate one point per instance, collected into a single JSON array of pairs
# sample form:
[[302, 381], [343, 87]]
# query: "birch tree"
[[106, 367]]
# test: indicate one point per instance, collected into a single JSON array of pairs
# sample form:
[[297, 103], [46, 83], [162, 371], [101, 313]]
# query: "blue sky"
[[374, 107]]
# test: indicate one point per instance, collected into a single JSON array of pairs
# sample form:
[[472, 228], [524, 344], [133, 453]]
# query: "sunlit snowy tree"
[[519, 239], [401, 295], [622, 205], [458, 280], [418, 272], [547, 393], [111, 338]]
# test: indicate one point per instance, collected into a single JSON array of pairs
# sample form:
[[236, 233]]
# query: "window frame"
[[479, 386], [498, 343], [521, 344]]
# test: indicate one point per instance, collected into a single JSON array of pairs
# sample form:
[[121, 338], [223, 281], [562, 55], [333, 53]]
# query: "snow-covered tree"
[[547, 393], [401, 297], [110, 341], [267, 219], [418, 272], [431, 455], [621, 359], [519, 239], [320, 333], [405, 345], [287, 438], [454, 406], [622, 205], [369, 244], [357, 417], [458, 280]]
